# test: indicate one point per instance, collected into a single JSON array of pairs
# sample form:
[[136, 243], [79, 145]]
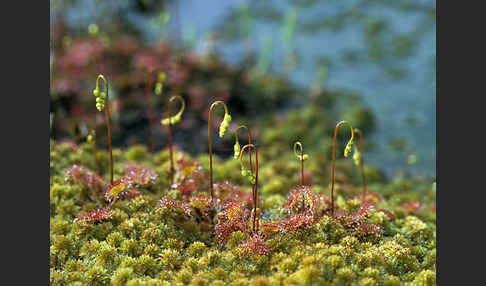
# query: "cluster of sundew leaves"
[[142, 244]]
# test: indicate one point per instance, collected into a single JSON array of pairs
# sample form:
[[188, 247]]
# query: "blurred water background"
[[384, 51]]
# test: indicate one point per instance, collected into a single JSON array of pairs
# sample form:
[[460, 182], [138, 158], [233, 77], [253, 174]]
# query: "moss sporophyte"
[[171, 120], [302, 157], [347, 151], [222, 130], [102, 100], [253, 180]]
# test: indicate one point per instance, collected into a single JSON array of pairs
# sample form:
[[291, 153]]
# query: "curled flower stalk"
[[302, 157], [253, 180], [169, 121], [358, 160], [101, 98], [222, 130], [347, 151]]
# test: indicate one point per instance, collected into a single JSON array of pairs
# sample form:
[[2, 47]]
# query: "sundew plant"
[[273, 199]]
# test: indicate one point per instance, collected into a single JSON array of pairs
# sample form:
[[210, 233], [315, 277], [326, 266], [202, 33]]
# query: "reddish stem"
[[108, 123], [210, 145], [249, 140], [255, 186], [171, 151], [333, 161]]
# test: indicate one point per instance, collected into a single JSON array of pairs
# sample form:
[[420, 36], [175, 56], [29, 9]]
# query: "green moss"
[[142, 244]]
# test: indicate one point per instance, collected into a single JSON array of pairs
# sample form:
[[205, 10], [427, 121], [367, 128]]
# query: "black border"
[[25, 121]]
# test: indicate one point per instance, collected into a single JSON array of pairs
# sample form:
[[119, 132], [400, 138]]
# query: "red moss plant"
[[83, 177], [347, 151], [232, 217], [256, 245], [136, 176], [222, 130], [101, 97], [302, 206], [254, 182], [95, 216], [191, 176], [169, 121], [114, 191], [195, 207], [357, 220], [302, 157]]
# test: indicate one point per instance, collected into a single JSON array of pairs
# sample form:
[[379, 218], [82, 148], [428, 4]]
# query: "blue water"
[[392, 101]]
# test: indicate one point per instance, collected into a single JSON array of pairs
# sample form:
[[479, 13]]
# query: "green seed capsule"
[[162, 77], [158, 88], [96, 92], [236, 148], [348, 149], [102, 95], [251, 178]]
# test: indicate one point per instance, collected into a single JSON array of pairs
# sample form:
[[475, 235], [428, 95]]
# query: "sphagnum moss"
[[143, 245]]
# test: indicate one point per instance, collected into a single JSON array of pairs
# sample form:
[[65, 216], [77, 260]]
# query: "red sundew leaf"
[[364, 229], [95, 216], [255, 245], [356, 221], [187, 188], [363, 211], [115, 191], [301, 199], [411, 206], [137, 176], [233, 217], [82, 176], [132, 193], [175, 205], [202, 203], [300, 220], [191, 177], [183, 163], [269, 227]]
